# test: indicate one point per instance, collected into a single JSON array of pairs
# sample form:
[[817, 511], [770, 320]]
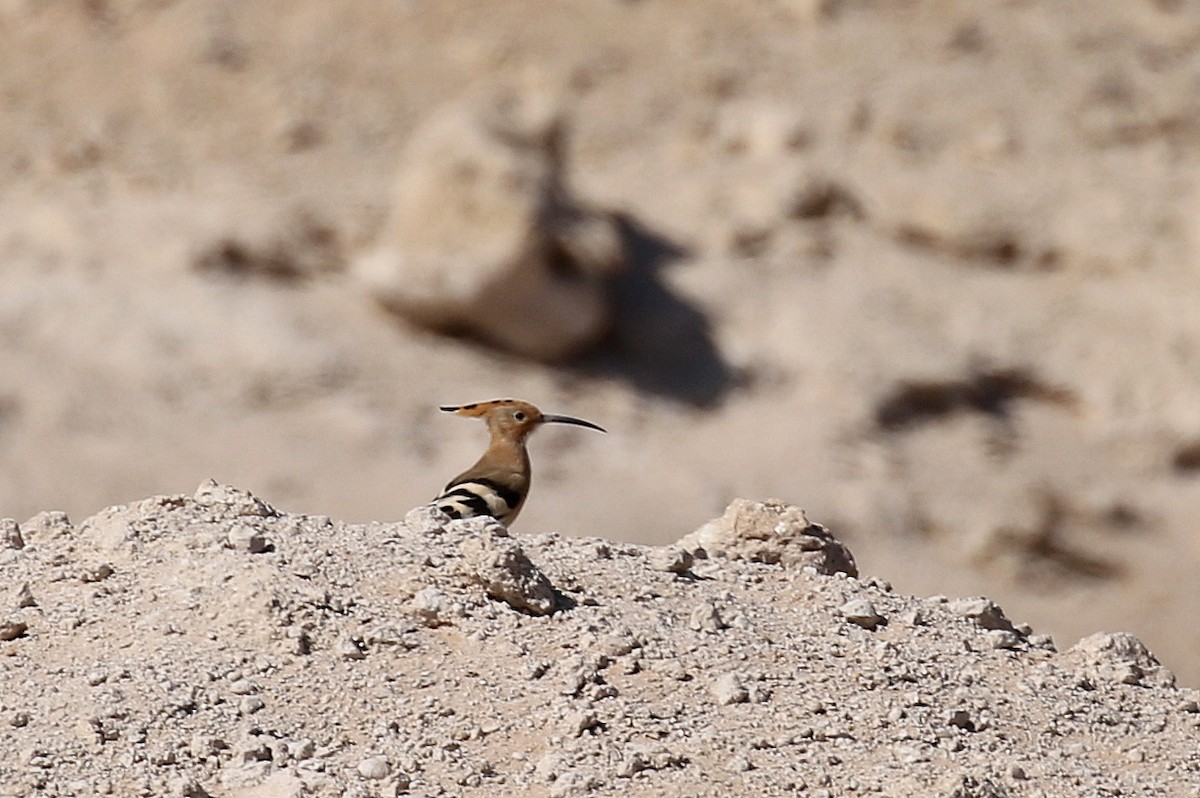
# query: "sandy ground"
[[928, 269]]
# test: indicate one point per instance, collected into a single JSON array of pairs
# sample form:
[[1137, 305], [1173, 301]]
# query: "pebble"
[[1003, 639], [96, 573], [46, 524], [351, 649], [243, 537], [960, 718], [23, 597], [10, 534], [242, 686], [255, 750], [706, 618], [550, 766], [738, 764], [861, 613], [577, 723], [671, 559], [375, 768], [1042, 641], [205, 745], [728, 689], [188, 787], [251, 704], [11, 630], [431, 607], [302, 749], [982, 611]]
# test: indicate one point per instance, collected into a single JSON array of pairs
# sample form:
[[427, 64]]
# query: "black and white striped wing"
[[476, 497]]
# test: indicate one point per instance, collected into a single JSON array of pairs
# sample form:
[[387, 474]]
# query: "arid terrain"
[[928, 269], [211, 645]]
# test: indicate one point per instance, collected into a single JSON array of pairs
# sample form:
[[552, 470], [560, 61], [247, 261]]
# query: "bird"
[[498, 483]]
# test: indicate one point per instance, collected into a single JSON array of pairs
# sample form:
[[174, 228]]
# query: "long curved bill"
[[579, 422]]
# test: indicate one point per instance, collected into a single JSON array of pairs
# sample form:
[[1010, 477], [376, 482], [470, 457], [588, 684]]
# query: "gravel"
[[435, 664]]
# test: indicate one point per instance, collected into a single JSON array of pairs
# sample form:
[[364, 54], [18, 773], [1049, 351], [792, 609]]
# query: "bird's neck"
[[509, 453]]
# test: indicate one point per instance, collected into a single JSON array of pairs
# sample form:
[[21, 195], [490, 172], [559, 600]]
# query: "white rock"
[[728, 689], [10, 534], [861, 613], [484, 237], [374, 768]]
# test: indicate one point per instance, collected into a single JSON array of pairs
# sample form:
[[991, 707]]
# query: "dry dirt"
[[927, 268], [212, 645]]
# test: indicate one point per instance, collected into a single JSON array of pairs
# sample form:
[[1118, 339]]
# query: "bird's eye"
[[519, 416]]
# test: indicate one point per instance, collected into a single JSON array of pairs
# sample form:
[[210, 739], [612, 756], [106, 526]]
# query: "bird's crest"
[[476, 409]]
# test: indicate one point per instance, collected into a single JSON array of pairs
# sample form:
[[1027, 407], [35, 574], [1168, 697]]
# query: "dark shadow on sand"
[[660, 343]]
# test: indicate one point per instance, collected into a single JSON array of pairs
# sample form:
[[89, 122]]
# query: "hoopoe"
[[499, 481]]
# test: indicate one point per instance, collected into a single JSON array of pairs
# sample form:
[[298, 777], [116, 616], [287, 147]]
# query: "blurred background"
[[928, 269]]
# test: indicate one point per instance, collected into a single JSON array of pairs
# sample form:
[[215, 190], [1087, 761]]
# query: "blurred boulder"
[[485, 239]]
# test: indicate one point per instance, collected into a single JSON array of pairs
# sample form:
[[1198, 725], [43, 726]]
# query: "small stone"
[[10, 534], [23, 597], [206, 745], [861, 613], [960, 718], [231, 500], [45, 525], [1017, 773], [97, 677], [430, 606], [572, 784], [188, 787], [982, 611], [1045, 642], [374, 768], [579, 722], [11, 630], [242, 687], [303, 749], [501, 566], [255, 750], [549, 767], [301, 644], [426, 520], [1003, 639], [739, 764], [18, 720], [728, 689], [351, 648], [1119, 657], [251, 704], [706, 618], [162, 758], [96, 573], [243, 537], [1190, 705], [671, 559]]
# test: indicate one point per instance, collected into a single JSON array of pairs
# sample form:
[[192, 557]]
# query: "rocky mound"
[[212, 645]]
